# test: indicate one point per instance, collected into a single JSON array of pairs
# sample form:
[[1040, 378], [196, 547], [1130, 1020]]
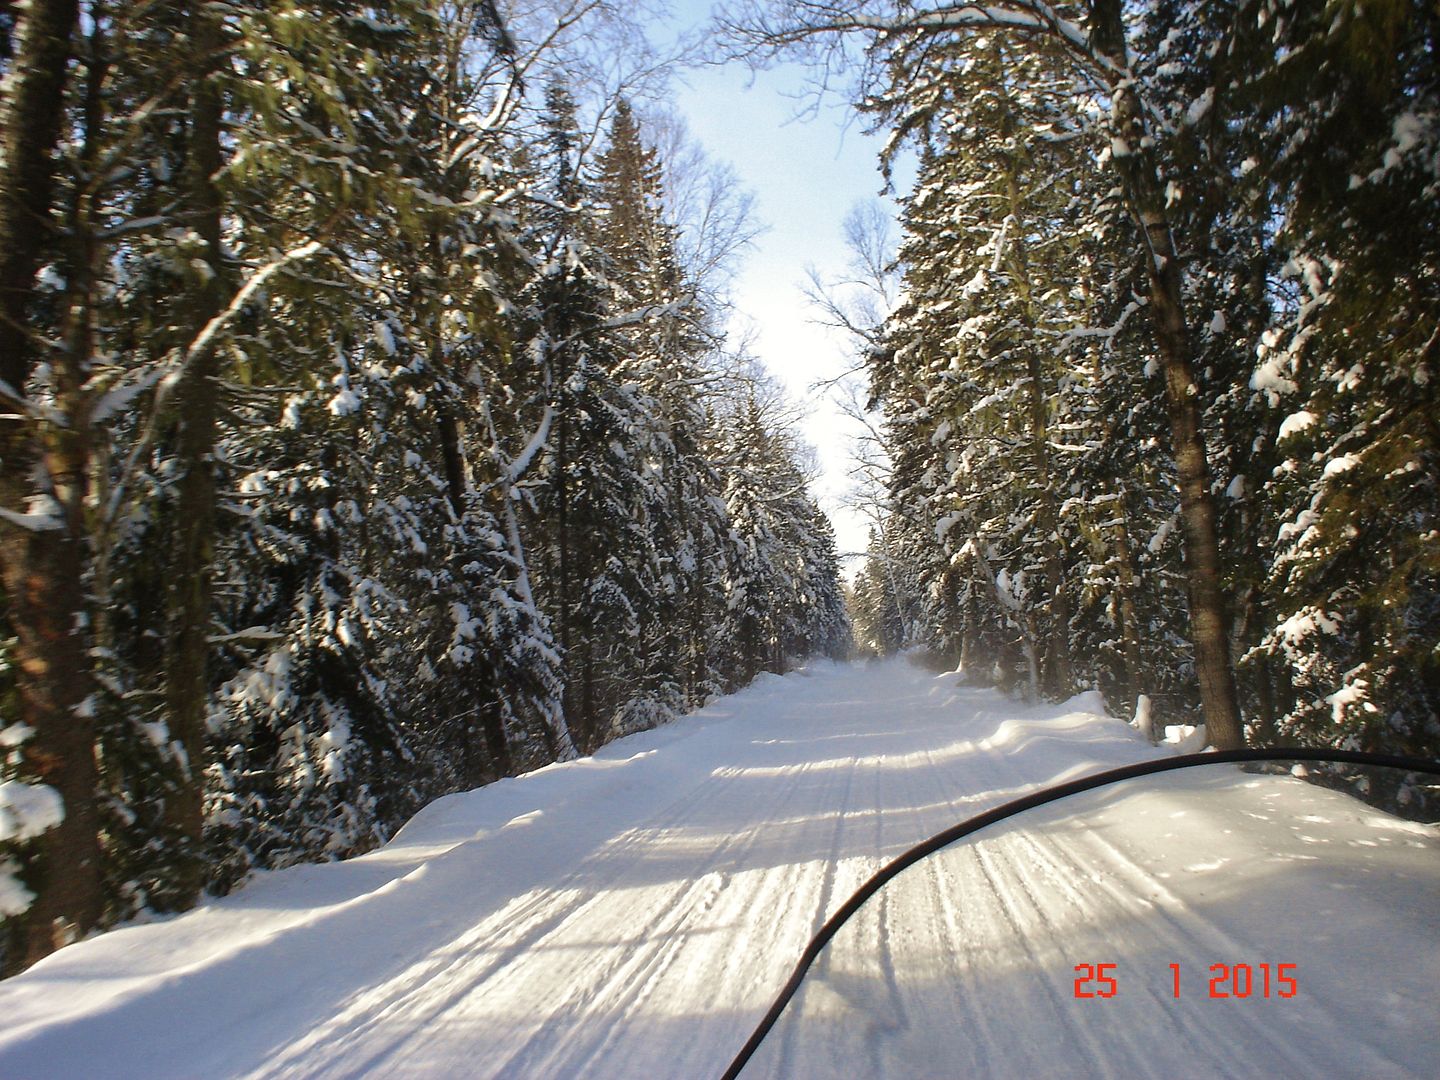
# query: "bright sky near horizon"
[[806, 174]]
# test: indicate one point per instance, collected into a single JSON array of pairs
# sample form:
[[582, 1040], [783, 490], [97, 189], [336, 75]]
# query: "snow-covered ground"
[[632, 915]]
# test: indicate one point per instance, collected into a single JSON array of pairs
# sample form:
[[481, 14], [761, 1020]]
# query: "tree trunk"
[[588, 710], [969, 652], [1133, 162], [697, 637], [43, 568], [27, 175], [553, 730], [451, 427], [187, 648], [1128, 628], [46, 608], [1059, 679], [452, 436], [1029, 639], [492, 725], [568, 636]]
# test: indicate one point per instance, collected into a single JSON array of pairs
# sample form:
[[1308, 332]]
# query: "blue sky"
[[807, 174]]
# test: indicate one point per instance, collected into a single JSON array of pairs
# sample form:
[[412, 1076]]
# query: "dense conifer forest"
[[370, 434], [1154, 360], [371, 431]]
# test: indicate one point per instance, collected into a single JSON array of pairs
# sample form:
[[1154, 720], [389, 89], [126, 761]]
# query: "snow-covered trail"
[[632, 915]]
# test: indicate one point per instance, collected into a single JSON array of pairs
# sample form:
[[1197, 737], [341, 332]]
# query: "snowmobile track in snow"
[[633, 915]]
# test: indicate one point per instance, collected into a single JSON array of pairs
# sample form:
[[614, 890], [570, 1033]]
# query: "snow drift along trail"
[[631, 915]]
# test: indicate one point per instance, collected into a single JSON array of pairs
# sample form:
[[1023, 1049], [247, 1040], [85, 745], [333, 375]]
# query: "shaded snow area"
[[632, 915]]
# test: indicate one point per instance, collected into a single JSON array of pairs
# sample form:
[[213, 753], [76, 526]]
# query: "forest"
[[372, 434], [372, 430], [1153, 366]]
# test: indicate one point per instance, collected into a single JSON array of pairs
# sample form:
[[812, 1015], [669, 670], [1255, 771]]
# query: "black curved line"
[[1029, 802]]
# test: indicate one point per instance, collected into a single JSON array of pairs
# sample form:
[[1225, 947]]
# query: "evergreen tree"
[[366, 442], [1349, 363]]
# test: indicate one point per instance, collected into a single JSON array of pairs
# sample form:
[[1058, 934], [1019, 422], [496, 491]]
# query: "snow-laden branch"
[[27, 810], [176, 372], [120, 395], [253, 633], [565, 747], [32, 522], [203, 340], [671, 309], [517, 468], [1106, 333], [1032, 17]]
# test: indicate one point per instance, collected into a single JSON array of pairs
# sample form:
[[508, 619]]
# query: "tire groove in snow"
[[520, 928], [670, 942], [632, 915]]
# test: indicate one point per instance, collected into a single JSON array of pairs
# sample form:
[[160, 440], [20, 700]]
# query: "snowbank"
[[633, 913]]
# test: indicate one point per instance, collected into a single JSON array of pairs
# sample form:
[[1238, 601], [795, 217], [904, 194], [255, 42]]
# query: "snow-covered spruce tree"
[[755, 581], [991, 241], [1021, 277], [886, 602], [662, 342], [1350, 366], [324, 351], [1199, 63], [453, 294], [628, 509], [257, 305], [591, 527], [673, 358], [782, 594], [1130, 627], [874, 612], [822, 622], [313, 587], [309, 744], [428, 666]]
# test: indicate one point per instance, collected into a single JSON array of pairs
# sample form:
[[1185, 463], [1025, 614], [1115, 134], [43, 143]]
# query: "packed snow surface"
[[633, 914]]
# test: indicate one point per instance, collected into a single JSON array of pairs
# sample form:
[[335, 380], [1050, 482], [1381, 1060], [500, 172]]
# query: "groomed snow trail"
[[632, 915]]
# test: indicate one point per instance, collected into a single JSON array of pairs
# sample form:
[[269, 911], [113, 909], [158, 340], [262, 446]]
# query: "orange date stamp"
[[1237, 981]]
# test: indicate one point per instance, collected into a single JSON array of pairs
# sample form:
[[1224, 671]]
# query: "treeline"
[[1160, 391], [368, 435]]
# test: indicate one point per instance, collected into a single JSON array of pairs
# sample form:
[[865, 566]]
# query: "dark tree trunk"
[[1059, 679], [43, 569], [696, 661], [969, 649], [1133, 161], [32, 127], [588, 709], [1267, 729], [452, 435], [1128, 629], [450, 426], [44, 592], [188, 596], [570, 566], [493, 727]]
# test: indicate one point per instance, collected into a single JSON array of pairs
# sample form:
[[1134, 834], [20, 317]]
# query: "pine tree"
[[1349, 361], [665, 350]]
